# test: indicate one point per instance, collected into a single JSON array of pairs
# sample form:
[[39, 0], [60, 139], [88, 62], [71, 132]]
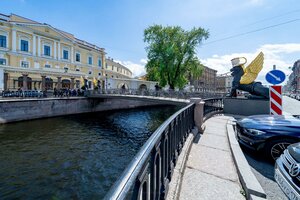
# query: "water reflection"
[[73, 157]]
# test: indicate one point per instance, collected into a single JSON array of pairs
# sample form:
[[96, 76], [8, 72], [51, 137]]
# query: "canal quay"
[[91, 155], [78, 155]]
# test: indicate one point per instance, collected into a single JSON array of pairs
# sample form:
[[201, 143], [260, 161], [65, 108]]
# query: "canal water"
[[73, 157]]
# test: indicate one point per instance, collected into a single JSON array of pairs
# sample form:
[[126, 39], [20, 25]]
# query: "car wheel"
[[275, 148]]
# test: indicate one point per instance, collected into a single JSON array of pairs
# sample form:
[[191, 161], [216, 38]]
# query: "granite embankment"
[[12, 110]]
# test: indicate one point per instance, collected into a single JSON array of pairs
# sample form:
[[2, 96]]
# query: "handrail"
[[212, 105], [159, 93], [149, 173], [159, 153]]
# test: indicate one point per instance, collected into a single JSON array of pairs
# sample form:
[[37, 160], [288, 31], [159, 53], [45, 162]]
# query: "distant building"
[[223, 83], [116, 70], [293, 84], [207, 81]]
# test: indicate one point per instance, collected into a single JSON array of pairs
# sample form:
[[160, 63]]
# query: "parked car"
[[287, 171], [268, 133], [293, 95]]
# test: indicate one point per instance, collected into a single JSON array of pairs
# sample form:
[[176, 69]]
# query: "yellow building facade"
[[38, 56]]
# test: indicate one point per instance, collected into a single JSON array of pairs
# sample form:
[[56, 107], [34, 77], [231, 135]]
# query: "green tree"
[[172, 56]]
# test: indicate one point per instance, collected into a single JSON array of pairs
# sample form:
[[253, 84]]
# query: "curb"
[[248, 180], [176, 181]]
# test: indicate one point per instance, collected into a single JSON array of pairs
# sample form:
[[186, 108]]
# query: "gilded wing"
[[253, 69]]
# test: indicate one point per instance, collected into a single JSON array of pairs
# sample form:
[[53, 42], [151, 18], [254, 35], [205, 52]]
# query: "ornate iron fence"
[[212, 105], [149, 173], [161, 93]]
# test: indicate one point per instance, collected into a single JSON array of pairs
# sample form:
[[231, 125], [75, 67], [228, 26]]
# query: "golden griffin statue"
[[244, 77]]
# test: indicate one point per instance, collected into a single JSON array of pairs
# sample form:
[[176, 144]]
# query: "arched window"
[[66, 83], [143, 87]]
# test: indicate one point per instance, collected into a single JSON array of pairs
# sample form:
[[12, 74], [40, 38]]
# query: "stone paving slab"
[[210, 170], [291, 105], [217, 121], [215, 141], [212, 161], [221, 131], [209, 187]]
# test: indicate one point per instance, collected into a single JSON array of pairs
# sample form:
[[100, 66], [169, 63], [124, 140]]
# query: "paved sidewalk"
[[210, 172], [290, 105]]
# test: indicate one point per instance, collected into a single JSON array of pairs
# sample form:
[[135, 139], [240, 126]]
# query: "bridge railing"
[[212, 105], [148, 175], [161, 93]]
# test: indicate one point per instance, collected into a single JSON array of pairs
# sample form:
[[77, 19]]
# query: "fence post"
[[198, 112]]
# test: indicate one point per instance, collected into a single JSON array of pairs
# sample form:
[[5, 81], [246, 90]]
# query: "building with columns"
[[38, 56]]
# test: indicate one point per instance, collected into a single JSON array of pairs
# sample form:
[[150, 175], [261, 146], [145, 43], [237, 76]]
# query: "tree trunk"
[[172, 86]]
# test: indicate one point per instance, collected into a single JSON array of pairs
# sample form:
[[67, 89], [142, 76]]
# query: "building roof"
[[208, 68]]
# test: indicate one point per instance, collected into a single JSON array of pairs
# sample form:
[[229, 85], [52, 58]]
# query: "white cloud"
[[281, 55], [137, 69], [144, 61]]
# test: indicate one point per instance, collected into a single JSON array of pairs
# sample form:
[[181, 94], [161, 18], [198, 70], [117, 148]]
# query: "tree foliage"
[[172, 56]]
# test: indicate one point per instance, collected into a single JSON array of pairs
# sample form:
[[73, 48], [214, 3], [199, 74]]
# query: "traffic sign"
[[276, 100], [275, 77]]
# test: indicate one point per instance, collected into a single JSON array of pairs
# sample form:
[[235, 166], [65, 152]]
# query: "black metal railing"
[[23, 94], [149, 173], [212, 105], [180, 94]]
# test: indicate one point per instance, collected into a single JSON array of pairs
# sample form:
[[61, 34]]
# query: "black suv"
[[287, 171]]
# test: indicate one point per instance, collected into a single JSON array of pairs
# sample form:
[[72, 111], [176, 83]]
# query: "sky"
[[236, 27]]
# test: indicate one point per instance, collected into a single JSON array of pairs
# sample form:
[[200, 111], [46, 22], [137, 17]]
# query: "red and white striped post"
[[276, 100]]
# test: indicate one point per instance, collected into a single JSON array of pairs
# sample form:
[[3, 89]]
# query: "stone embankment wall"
[[21, 109]]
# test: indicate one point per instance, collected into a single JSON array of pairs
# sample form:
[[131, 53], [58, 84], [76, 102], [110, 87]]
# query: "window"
[[24, 45], [25, 64], [66, 69], [2, 61], [65, 54], [90, 72], [99, 74], [36, 65], [77, 59], [77, 70], [3, 41], [46, 50], [47, 66], [106, 65], [99, 63], [90, 61]]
